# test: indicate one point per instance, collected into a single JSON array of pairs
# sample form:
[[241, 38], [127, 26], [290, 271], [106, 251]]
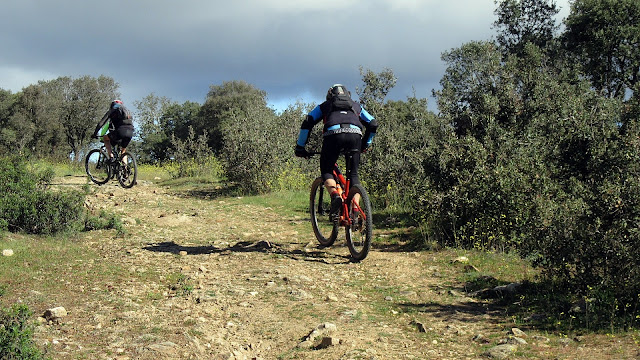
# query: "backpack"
[[342, 103], [125, 116]]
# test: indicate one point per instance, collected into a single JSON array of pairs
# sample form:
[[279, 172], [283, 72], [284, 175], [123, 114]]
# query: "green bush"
[[258, 148], [556, 178], [103, 221], [16, 334], [192, 157], [27, 205]]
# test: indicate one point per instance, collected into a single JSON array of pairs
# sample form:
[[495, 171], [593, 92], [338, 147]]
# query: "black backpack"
[[342, 103], [125, 116]]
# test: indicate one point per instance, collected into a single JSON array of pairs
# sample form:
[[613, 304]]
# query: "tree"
[[7, 110], [176, 119], [83, 102], [604, 36], [525, 21], [33, 128], [470, 86], [375, 90], [154, 139], [225, 103]]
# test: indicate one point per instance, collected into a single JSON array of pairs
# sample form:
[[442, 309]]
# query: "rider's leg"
[[355, 142], [107, 144], [330, 185]]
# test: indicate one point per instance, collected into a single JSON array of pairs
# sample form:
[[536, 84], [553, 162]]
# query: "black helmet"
[[337, 89]]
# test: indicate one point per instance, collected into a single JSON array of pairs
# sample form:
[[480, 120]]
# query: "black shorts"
[[121, 135], [332, 145]]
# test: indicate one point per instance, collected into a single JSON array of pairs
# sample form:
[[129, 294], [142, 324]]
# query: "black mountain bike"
[[100, 170], [355, 214]]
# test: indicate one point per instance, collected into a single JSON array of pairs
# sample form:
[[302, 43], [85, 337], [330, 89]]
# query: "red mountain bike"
[[355, 214]]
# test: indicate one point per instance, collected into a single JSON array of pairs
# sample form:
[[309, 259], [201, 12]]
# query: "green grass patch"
[[180, 284], [286, 202], [153, 173]]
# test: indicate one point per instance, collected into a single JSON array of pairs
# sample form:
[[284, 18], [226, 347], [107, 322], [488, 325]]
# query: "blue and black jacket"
[[351, 119]]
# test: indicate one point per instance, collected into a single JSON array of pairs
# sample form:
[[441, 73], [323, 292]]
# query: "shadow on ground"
[[316, 255]]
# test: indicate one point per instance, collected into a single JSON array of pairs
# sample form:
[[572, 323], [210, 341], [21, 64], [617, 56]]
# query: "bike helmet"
[[337, 89], [116, 104]]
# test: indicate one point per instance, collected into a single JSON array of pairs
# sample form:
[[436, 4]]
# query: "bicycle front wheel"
[[97, 166], [360, 232], [127, 170], [325, 229]]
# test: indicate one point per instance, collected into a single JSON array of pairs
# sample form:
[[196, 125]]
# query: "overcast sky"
[[292, 49]]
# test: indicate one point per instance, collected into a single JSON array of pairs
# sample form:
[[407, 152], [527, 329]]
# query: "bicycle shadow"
[[469, 311], [262, 246]]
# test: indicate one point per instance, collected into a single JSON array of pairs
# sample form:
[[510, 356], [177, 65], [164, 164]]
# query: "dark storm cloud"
[[291, 49]]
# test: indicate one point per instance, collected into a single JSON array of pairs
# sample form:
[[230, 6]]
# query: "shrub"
[[192, 157], [555, 178], [16, 334], [27, 205], [104, 220], [258, 148]]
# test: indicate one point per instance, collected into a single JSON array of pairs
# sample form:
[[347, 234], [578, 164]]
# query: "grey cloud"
[[287, 48]]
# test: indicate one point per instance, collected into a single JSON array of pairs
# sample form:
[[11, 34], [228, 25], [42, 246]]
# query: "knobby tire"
[[97, 167], [360, 232], [324, 228], [127, 172]]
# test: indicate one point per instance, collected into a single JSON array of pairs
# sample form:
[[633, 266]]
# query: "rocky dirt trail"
[[219, 278]]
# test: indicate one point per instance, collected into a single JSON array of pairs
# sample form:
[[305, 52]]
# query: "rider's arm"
[[102, 122], [305, 129], [371, 124]]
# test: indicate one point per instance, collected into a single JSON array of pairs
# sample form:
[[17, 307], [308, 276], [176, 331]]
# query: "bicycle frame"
[[345, 182]]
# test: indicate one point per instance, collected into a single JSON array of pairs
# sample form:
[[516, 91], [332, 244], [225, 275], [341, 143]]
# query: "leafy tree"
[[33, 128], [224, 103], [153, 137], [471, 87], [176, 119], [83, 102], [254, 147], [295, 173], [7, 110], [604, 36], [56, 118], [394, 170], [375, 90], [525, 21], [193, 156]]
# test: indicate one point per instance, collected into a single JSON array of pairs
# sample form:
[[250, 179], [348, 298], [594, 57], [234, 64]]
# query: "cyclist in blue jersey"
[[344, 122]]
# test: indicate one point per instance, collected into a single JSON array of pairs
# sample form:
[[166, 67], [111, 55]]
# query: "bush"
[[103, 221], [16, 334], [27, 205], [394, 169], [192, 157], [258, 148], [556, 178]]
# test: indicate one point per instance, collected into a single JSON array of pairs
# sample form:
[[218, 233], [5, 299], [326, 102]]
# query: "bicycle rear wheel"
[[97, 166], [127, 170], [320, 204], [360, 232]]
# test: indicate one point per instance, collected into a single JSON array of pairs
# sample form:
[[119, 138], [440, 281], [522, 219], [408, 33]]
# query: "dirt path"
[[215, 278]]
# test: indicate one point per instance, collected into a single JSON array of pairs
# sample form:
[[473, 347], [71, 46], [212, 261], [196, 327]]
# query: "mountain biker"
[[120, 128], [344, 120]]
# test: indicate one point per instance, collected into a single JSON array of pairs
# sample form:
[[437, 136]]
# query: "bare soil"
[[208, 277]]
